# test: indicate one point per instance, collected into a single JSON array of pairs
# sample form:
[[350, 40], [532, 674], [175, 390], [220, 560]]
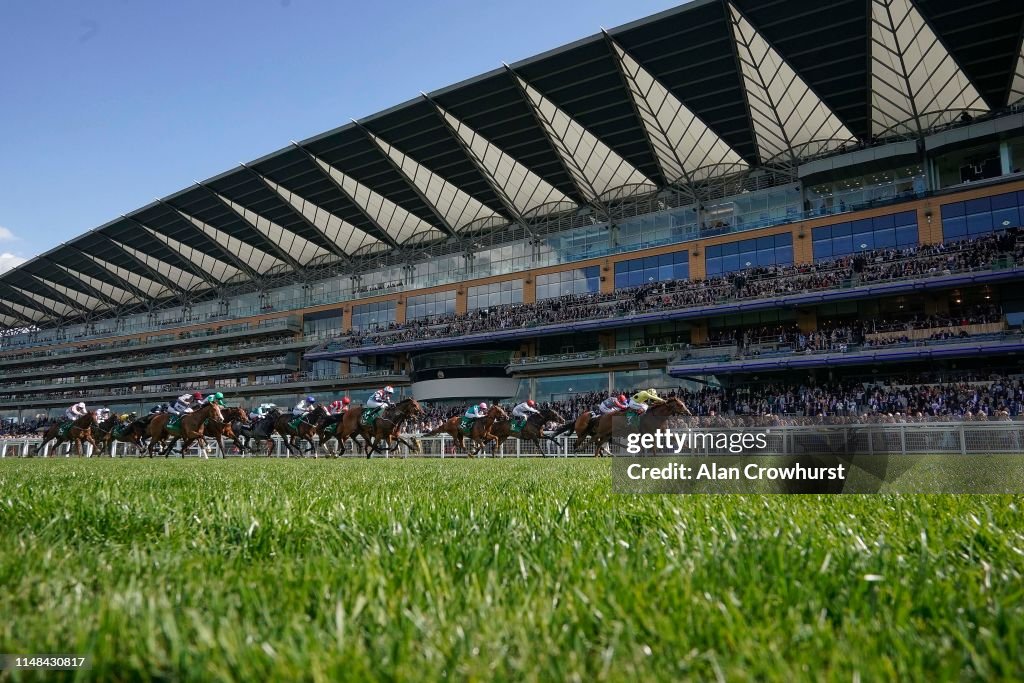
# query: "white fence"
[[960, 438]]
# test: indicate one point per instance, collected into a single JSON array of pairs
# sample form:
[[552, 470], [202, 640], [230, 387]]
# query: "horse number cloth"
[[174, 424]]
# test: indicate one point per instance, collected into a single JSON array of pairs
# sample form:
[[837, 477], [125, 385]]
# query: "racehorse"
[[305, 429], [189, 428], [80, 430], [479, 433], [385, 427], [616, 424], [583, 426], [114, 429], [262, 428], [218, 430], [532, 431], [330, 428]]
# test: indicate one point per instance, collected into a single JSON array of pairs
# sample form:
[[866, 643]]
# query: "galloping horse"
[[583, 427], [531, 432], [616, 424], [80, 430], [218, 430], [331, 428], [480, 432], [385, 427], [189, 428], [114, 429], [262, 428], [306, 429]]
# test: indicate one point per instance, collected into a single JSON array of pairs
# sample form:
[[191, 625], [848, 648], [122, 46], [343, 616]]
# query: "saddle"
[[174, 424], [296, 421], [632, 417], [370, 416], [466, 425], [65, 428], [517, 424]]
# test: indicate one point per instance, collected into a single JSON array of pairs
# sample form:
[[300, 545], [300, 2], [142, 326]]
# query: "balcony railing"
[[277, 324]]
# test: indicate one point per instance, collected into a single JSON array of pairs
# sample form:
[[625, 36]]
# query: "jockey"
[[158, 408], [262, 411], [381, 398], [304, 406], [339, 407], [525, 409], [217, 398], [613, 404], [185, 403], [476, 412], [640, 400], [76, 411]]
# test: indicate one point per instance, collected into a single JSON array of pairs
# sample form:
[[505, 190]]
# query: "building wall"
[[929, 231]]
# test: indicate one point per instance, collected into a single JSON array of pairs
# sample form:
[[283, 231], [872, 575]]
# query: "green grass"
[[494, 570]]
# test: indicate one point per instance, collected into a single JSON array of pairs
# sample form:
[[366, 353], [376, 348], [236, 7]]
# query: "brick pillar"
[[606, 341], [929, 223], [461, 299], [697, 263], [400, 306], [530, 289], [803, 252], [607, 272], [346, 319]]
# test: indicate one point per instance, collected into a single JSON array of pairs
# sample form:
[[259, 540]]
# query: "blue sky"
[[107, 104]]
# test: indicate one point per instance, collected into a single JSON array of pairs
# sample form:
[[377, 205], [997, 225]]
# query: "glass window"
[[772, 250], [977, 217], [495, 294], [579, 281], [636, 272], [881, 232], [374, 316], [430, 305]]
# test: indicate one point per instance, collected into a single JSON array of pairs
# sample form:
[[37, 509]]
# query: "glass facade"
[[639, 271], [578, 281], [495, 294], [430, 305], [773, 250], [897, 230], [377, 315], [850, 194], [322, 324], [982, 216], [751, 210], [566, 388]]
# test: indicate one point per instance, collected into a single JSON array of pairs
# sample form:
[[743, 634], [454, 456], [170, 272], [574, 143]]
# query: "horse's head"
[[215, 412], [495, 412], [677, 407], [551, 415], [234, 414], [90, 419], [410, 406]]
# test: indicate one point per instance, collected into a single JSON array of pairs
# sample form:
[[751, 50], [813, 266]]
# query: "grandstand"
[[742, 201]]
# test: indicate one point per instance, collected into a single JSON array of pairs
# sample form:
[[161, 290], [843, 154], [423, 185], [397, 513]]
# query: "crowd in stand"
[[759, 282], [9, 429], [997, 398]]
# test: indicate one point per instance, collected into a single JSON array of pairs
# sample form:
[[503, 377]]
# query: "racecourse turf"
[[494, 570]]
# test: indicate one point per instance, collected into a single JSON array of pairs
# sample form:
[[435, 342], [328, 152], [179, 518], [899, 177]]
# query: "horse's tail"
[[436, 430], [564, 429]]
